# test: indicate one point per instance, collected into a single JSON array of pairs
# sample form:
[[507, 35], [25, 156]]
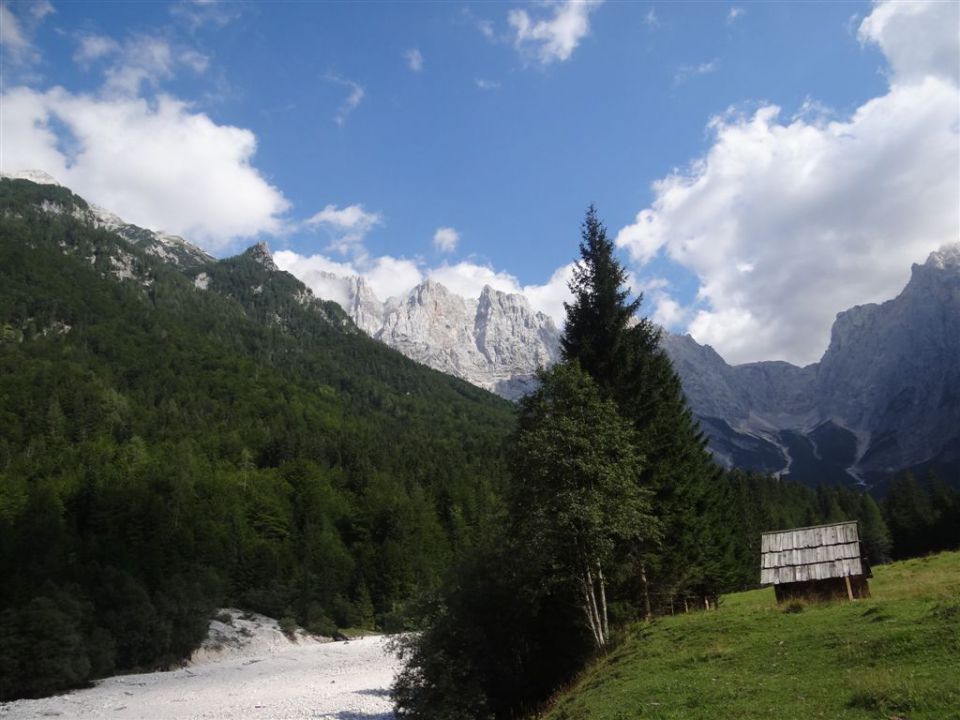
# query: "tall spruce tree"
[[621, 351]]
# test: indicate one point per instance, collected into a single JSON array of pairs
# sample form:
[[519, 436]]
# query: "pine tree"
[[910, 516], [621, 352], [873, 531]]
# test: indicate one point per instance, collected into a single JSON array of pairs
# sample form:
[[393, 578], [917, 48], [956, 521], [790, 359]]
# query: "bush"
[[288, 626]]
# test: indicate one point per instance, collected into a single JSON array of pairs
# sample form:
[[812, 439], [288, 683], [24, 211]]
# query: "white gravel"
[[263, 678]]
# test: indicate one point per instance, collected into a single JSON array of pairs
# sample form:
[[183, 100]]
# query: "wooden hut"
[[822, 561]]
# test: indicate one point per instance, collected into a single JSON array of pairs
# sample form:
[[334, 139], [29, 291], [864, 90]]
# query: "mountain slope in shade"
[[884, 397]]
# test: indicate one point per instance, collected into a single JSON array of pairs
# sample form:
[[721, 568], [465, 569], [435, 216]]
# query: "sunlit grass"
[[896, 655]]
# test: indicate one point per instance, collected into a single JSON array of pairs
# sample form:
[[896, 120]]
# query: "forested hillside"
[[179, 433], [166, 448]]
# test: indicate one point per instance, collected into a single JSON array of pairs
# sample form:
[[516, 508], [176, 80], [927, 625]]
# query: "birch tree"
[[575, 494]]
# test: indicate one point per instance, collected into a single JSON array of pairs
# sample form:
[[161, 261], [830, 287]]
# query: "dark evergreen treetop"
[[622, 352], [601, 317]]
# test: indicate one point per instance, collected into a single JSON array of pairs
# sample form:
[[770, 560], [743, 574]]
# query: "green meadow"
[[895, 656]]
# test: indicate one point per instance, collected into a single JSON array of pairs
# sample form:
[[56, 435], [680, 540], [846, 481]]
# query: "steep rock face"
[[893, 370], [496, 341], [885, 396]]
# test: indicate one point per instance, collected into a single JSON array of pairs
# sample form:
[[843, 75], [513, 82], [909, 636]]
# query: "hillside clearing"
[[896, 655]]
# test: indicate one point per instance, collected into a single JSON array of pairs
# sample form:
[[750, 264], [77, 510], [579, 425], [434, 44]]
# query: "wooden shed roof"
[[819, 552]]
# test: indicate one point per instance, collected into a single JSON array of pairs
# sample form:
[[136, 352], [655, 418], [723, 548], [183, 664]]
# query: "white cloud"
[[787, 222], [445, 239], [555, 38], [486, 84], [158, 164], [12, 36], [353, 99], [142, 62], [650, 19], [198, 13], [394, 277], [93, 47], [919, 38], [549, 297], [468, 279], [17, 30], [486, 29], [482, 24], [414, 59], [347, 226], [41, 9], [391, 277], [685, 72], [387, 276], [733, 13]]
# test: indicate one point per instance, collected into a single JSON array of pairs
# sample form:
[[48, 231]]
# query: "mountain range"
[[884, 398]]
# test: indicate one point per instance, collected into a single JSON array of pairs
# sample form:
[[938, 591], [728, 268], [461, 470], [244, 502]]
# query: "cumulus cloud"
[[549, 297], [414, 59], [554, 38], [787, 221], [650, 19], [157, 164], [354, 97], [445, 239], [918, 37], [734, 13], [347, 226], [486, 84]]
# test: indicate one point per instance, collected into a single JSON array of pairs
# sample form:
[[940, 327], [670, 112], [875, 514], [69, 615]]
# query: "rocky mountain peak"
[[37, 176], [946, 258], [261, 253], [884, 397], [495, 341]]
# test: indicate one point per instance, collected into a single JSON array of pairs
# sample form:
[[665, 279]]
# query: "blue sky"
[[463, 141]]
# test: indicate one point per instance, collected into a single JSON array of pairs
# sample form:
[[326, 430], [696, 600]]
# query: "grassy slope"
[[896, 655]]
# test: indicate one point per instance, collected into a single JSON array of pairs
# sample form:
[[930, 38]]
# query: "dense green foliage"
[[621, 352], [576, 499], [922, 517], [894, 655], [166, 449]]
